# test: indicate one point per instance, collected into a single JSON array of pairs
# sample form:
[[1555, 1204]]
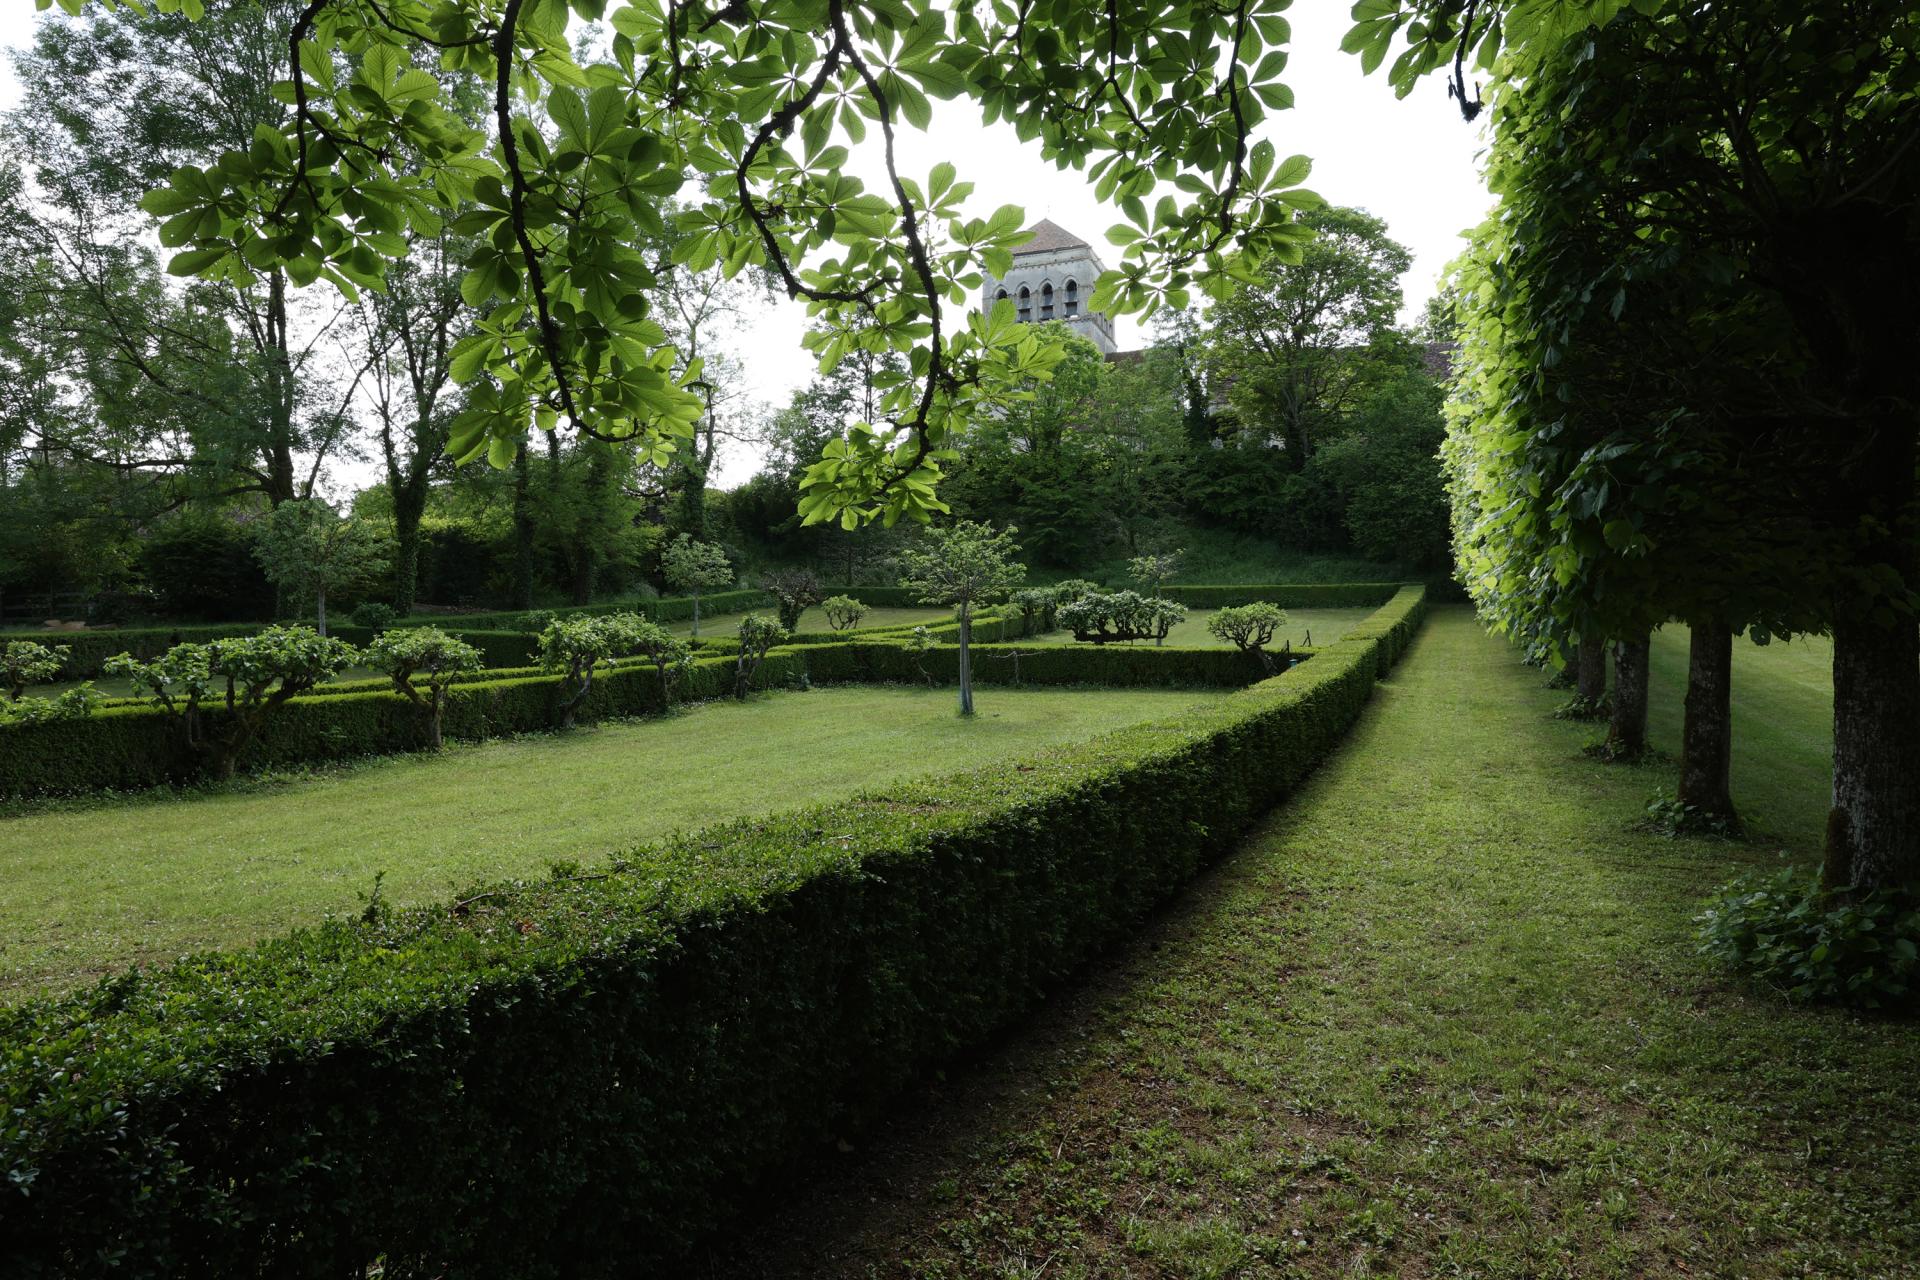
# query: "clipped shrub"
[[1112, 617], [373, 615], [1784, 931], [1248, 626], [248, 677], [423, 663], [25, 662], [76, 703], [843, 612], [578, 647], [794, 592], [1037, 606], [756, 636]]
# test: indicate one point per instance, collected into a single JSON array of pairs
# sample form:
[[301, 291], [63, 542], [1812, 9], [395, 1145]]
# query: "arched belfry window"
[[1073, 298], [1026, 305], [1000, 296], [1046, 301]]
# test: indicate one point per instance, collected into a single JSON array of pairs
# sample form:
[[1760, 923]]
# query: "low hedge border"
[[1299, 595], [577, 1076], [129, 745], [503, 634]]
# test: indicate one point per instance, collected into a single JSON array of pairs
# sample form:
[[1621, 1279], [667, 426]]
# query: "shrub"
[[1248, 626], [259, 674], [577, 647], [25, 662], [1071, 589], [843, 612], [757, 635], [413, 656], [1152, 571], [669, 654], [1037, 606], [1119, 616], [794, 592], [567, 1076], [76, 703], [374, 615], [1786, 932]]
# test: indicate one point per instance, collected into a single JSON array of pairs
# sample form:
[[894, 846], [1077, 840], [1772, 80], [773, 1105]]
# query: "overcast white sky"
[[1413, 163]]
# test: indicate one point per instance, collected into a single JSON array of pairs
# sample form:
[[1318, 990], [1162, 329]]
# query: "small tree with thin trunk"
[[694, 567], [578, 647], [25, 662], [247, 677], [1152, 571], [843, 612], [414, 657], [668, 653], [1249, 627], [307, 548], [965, 565], [757, 635]]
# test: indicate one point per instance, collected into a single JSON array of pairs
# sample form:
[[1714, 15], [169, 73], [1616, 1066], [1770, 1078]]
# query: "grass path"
[[85, 891], [1441, 1016]]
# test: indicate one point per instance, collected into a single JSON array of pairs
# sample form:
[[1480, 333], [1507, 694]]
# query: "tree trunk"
[[1706, 738], [696, 615], [320, 608], [408, 509], [1873, 833], [1591, 687], [438, 706], [966, 663], [1627, 730], [523, 529]]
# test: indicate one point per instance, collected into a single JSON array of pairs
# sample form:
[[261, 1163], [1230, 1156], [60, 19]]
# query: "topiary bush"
[[1120, 616], [373, 615], [1784, 931], [843, 612]]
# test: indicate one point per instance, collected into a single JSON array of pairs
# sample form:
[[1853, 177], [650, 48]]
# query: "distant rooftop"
[[1049, 237]]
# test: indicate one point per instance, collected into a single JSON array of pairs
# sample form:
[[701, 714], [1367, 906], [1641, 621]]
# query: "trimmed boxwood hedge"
[[1288, 595], [504, 638], [129, 744], [578, 1075]]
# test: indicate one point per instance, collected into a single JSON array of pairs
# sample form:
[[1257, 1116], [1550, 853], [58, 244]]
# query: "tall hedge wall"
[[577, 1076]]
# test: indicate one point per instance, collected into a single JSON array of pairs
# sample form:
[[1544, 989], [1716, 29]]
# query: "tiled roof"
[[1048, 237]]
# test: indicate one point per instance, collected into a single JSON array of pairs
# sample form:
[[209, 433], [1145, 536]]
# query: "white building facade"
[[1052, 277]]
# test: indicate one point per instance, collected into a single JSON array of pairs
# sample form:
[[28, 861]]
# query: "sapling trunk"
[[433, 725], [1627, 728], [1706, 738], [696, 615], [1873, 833], [320, 609], [966, 662]]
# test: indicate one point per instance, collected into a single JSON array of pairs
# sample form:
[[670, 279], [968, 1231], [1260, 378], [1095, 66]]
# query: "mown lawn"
[[88, 889], [1442, 1015], [1303, 626]]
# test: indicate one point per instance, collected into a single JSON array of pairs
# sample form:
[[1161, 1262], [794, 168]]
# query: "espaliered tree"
[[746, 110], [1773, 211], [965, 565]]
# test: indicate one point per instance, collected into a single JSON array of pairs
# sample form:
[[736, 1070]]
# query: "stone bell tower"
[[1051, 279]]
